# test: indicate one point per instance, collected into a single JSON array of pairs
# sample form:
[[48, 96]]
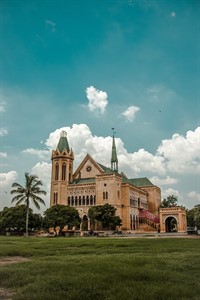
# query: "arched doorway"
[[171, 224], [85, 223]]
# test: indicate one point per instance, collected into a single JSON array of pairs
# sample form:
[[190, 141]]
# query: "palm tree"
[[30, 191]]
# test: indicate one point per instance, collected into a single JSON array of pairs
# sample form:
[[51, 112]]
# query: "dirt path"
[[6, 294]]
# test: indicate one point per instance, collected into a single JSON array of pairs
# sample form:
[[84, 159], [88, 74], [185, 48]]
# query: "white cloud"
[[98, 100], [2, 106], [51, 24], [42, 154], [3, 131], [130, 112], [173, 14], [170, 191], [194, 196], [6, 179], [3, 154], [182, 154], [159, 93], [164, 181], [43, 171], [82, 141]]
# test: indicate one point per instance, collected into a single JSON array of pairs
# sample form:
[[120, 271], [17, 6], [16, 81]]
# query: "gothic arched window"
[[56, 171], [63, 171]]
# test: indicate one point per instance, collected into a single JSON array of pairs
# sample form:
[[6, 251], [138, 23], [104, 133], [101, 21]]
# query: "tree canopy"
[[14, 218], [193, 217], [104, 214], [169, 202], [61, 215]]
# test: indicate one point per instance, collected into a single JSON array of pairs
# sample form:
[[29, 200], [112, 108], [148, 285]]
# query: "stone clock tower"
[[62, 170]]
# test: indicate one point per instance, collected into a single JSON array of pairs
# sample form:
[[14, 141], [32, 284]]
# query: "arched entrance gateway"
[[170, 224], [84, 223], [173, 219]]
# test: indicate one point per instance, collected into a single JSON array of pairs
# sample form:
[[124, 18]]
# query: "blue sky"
[[87, 66]]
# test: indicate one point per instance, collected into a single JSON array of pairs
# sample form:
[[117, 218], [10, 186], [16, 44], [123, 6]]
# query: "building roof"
[[84, 180], [140, 182], [63, 142], [114, 151]]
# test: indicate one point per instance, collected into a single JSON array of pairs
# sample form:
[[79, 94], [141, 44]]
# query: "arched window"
[[83, 200], [106, 195], [72, 201], [76, 201], [56, 171], [91, 200], [63, 171], [55, 198], [79, 200], [87, 200], [69, 201]]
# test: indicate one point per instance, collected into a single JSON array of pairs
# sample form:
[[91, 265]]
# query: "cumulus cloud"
[[41, 154], [3, 154], [130, 112], [173, 14], [181, 153], [163, 181], [6, 179], [170, 191], [98, 100], [82, 141], [43, 171], [2, 106], [194, 195], [3, 131]]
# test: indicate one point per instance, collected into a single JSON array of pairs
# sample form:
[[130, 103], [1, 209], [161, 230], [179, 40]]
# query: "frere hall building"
[[136, 200]]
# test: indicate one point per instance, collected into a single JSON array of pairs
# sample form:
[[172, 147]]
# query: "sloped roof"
[[63, 144], [140, 182], [84, 180]]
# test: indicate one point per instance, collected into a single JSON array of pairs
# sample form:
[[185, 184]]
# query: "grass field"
[[102, 268]]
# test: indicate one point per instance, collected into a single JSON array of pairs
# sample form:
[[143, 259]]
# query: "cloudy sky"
[[87, 66]]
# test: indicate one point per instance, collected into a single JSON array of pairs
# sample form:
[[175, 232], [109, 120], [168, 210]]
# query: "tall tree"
[[28, 193], [61, 215], [14, 218], [193, 216], [104, 214], [169, 202]]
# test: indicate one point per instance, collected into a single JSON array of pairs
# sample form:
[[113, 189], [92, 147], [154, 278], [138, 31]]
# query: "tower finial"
[[114, 160]]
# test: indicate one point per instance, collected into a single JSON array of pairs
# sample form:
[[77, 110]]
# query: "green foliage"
[[193, 217], [104, 214], [169, 202], [14, 218], [31, 191], [61, 215]]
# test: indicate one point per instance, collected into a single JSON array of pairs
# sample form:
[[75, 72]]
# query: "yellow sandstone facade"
[[93, 184]]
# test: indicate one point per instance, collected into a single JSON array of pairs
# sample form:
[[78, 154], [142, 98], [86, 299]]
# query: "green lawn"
[[102, 268]]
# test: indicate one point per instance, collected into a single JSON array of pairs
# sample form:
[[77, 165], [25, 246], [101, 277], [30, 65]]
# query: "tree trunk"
[[27, 215]]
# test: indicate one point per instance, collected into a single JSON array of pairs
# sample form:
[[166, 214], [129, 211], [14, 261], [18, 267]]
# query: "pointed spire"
[[63, 142], [114, 160]]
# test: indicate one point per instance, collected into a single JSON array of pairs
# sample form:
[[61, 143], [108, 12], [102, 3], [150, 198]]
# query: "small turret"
[[63, 142], [114, 160]]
